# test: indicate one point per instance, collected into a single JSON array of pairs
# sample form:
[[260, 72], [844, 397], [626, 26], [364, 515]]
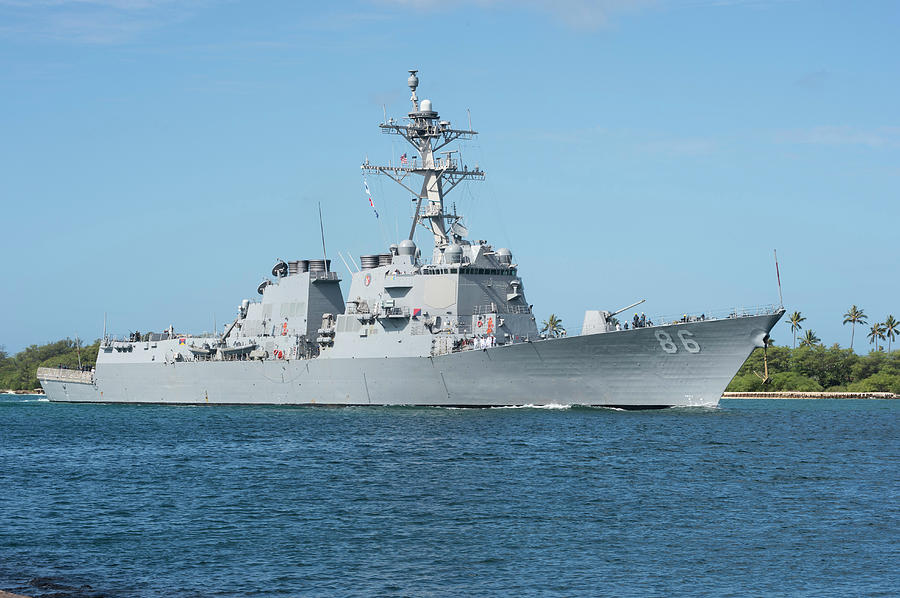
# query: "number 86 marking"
[[669, 346]]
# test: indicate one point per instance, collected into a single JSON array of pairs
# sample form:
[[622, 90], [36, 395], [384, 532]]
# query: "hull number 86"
[[669, 346]]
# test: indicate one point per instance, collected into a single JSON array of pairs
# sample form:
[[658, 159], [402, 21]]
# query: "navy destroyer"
[[455, 330]]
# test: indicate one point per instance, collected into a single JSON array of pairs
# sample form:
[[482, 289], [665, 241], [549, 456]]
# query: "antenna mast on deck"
[[427, 133]]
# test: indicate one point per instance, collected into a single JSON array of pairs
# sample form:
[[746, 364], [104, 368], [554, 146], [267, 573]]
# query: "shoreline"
[[790, 394]]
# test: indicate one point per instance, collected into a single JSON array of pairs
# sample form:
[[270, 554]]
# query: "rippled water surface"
[[753, 498]]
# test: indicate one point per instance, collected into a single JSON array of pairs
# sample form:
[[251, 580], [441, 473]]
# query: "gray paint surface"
[[455, 331]]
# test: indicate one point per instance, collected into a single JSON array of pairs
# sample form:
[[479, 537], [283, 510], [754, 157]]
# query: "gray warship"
[[453, 331]]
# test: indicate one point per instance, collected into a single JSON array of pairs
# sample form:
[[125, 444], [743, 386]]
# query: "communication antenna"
[[778, 275], [427, 134], [322, 230], [341, 255], [353, 261]]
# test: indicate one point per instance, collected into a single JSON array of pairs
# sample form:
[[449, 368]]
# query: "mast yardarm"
[[427, 134]]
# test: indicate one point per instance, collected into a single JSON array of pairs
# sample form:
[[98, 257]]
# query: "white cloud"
[[89, 21], [688, 146], [579, 14], [878, 137]]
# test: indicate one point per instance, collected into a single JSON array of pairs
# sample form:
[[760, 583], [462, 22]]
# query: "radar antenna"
[[424, 130]]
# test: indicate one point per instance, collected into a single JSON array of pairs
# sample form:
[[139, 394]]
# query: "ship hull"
[[662, 366]]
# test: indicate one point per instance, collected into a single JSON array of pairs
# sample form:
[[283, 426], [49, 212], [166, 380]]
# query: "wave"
[[530, 406]]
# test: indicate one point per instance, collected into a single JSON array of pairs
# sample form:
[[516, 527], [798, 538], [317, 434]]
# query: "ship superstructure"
[[455, 330]]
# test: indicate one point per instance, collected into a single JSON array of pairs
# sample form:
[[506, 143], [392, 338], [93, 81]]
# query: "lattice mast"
[[424, 130]]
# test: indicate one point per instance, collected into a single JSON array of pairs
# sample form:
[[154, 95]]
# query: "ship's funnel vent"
[[303, 266], [385, 259], [319, 265], [368, 261], [294, 267]]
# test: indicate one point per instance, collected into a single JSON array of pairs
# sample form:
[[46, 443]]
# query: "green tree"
[[853, 317], [794, 381], [746, 383], [795, 321], [869, 365], [878, 382], [553, 327], [829, 366], [809, 339], [891, 330], [876, 333]]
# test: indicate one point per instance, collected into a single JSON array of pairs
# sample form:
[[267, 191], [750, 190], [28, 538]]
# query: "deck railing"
[[64, 375], [686, 318]]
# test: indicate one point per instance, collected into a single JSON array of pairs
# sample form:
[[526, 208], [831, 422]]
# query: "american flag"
[[403, 160]]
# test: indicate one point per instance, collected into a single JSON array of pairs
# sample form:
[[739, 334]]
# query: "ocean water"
[[755, 498]]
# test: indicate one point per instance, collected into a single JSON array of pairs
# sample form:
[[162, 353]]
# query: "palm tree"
[[794, 321], [876, 333], [809, 339], [553, 326], [854, 316], [891, 329]]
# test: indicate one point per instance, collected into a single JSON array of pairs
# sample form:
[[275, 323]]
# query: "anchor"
[[765, 377]]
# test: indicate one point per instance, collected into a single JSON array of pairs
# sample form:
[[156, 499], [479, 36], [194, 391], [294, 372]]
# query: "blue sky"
[[157, 156]]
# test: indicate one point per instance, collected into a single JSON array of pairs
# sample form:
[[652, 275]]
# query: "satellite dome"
[[406, 247], [453, 254], [425, 106]]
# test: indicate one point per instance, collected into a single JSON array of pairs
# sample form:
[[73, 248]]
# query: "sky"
[[158, 156]]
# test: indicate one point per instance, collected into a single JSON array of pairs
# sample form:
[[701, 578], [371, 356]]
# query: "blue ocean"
[[755, 498]]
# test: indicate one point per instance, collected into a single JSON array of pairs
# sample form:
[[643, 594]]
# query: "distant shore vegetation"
[[818, 368], [19, 372], [812, 367]]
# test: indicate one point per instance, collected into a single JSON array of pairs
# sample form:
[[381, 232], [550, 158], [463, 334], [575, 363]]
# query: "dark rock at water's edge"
[[52, 587]]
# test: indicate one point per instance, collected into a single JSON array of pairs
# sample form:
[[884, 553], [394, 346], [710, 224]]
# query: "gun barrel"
[[628, 307], [230, 328]]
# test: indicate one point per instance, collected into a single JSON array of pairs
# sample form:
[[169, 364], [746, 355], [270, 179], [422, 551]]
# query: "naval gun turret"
[[601, 320]]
